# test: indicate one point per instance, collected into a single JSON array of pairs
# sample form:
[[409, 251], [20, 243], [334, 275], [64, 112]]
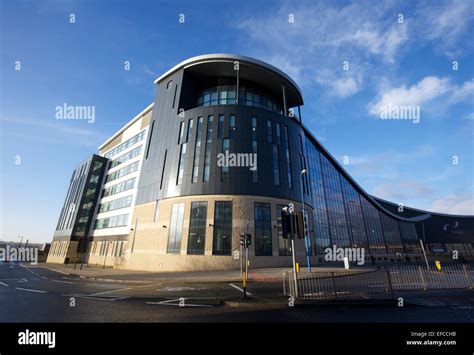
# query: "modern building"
[[178, 185]]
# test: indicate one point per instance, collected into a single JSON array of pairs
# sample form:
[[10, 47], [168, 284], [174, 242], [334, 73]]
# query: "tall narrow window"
[[263, 229], [276, 165], [149, 139], [175, 228], [220, 127], [207, 154], [278, 133], [225, 167], [286, 139], [197, 228], [232, 130], [174, 96], [181, 133], [197, 149], [222, 241], [163, 170], [269, 131], [190, 130], [254, 149], [182, 160]]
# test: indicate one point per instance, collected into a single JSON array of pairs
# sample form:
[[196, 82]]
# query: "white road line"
[[30, 290], [4, 284], [64, 282], [61, 272], [44, 277], [97, 298], [147, 285], [168, 303], [241, 290], [104, 292]]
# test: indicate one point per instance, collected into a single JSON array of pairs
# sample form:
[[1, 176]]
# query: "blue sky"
[[390, 60]]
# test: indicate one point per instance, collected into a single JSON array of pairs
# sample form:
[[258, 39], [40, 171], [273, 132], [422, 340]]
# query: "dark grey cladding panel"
[[165, 138]]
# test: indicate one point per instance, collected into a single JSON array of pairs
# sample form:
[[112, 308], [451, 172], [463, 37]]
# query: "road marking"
[[30, 290], [241, 290], [64, 282], [148, 285], [4, 284], [104, 292], [17, 280], [97, 298], [61, 272], [44, 277], [168, 303]]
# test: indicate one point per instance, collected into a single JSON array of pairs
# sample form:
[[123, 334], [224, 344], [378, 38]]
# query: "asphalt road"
[[35, 294]]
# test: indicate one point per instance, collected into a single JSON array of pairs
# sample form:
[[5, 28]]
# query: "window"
[[391, 233], [220, 127], [374, 227], [175, 228], [149, 139], [181, 133], [190, 130], [127, 156], [276, 166], [278, 133], [120, 187], [197, 150], [116, 204], [222, 98], [182, 160], [269, 131], [197, 228], [128, 143], [226, 95], [225, 167], [163, 169], [232, 131], [131, 168], [254, 148], [222, 241], [287, 157], [207, 154], [174, 96], [263, 229], [110, 222]]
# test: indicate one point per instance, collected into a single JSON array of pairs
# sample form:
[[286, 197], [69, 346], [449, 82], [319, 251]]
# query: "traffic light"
[[242, 240], [300, 225], [285, 224], [248, 240]]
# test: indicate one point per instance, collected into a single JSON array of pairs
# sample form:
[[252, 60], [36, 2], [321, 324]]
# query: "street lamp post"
[[306, 239]]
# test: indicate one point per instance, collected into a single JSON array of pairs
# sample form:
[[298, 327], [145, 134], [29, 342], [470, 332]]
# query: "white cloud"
[[402, 190], [426, 90], [324, 35], [445, 23], [58, 131], [454, 204], [341, 87], [463, 93]]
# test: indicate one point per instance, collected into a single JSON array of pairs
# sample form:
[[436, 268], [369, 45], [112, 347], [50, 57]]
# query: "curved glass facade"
[[226, 95], [345, 218]]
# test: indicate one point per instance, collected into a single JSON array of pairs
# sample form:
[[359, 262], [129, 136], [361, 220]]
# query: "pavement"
[[46, 293], [109, 274]]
